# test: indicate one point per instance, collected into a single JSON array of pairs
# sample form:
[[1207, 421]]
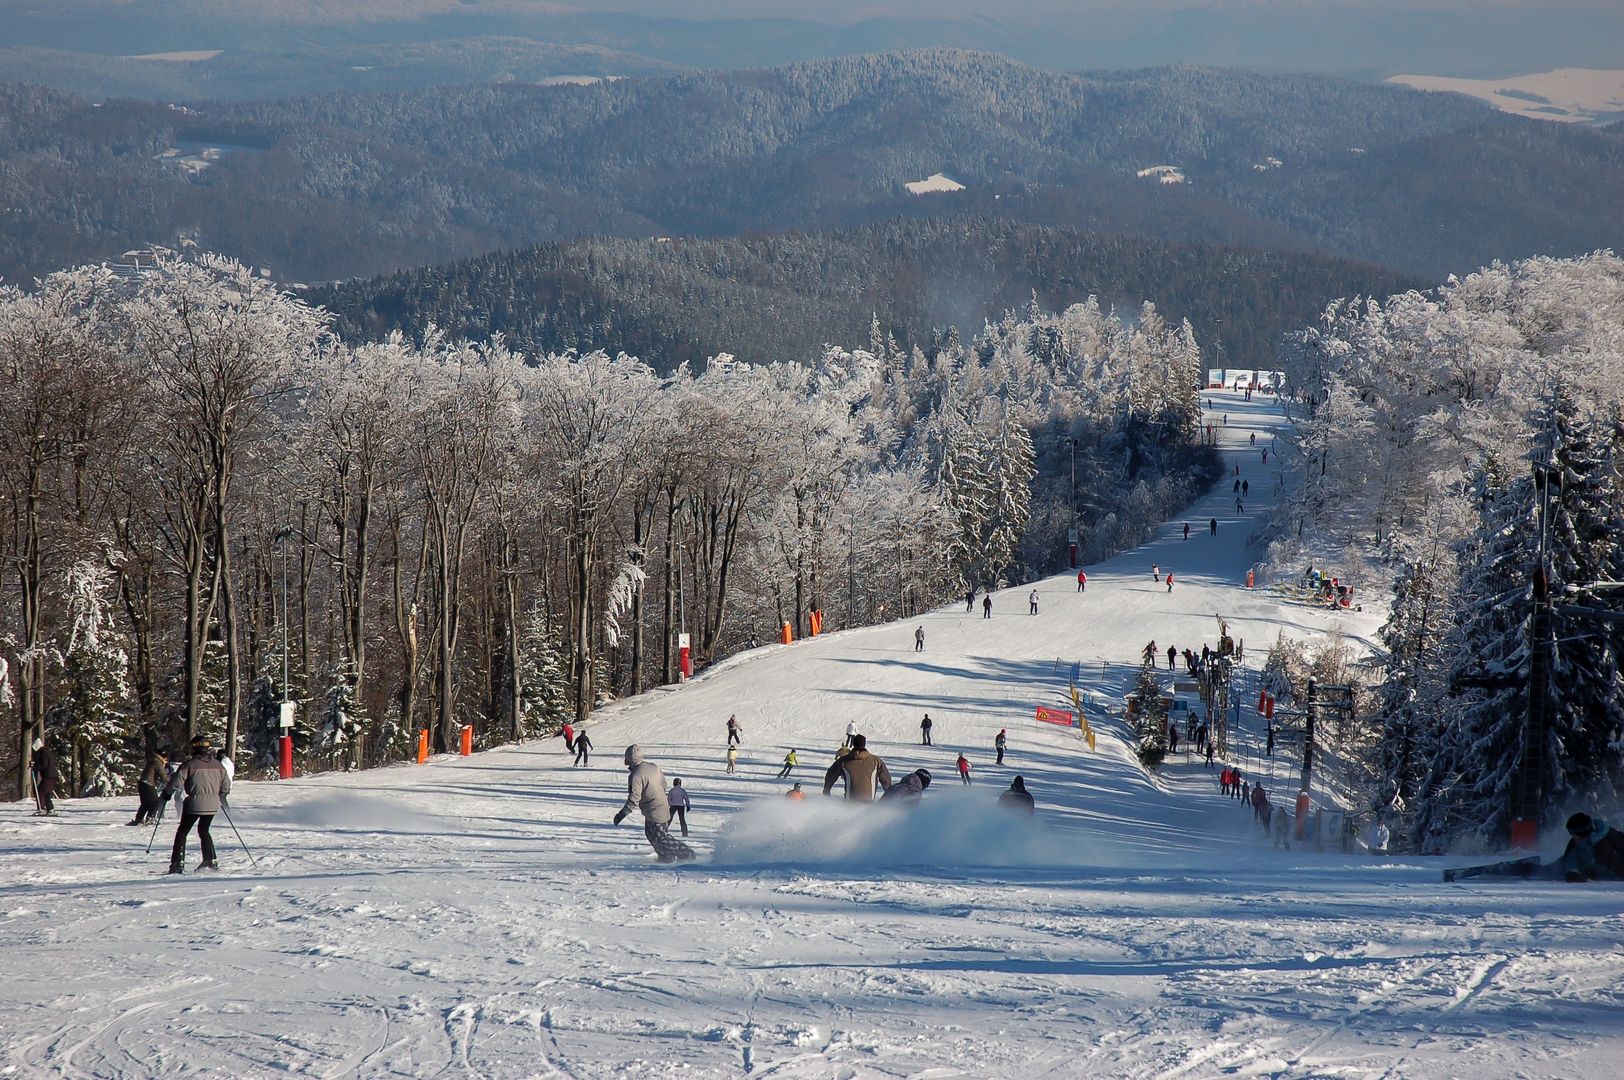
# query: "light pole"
[[288, 706], [1071, 535]]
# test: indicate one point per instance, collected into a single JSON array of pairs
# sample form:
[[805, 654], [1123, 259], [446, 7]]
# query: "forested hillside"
[[333, 187], [767, 298]]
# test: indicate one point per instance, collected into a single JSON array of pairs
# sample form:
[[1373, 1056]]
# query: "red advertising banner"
[[1054, 716]]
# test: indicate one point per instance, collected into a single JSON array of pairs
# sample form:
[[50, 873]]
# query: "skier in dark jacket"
[[45, 777], [205, 783], [999, 743], [1017, 797], [583, 750], [924, 731], [1594, 847], [909, 790], [153, 776]]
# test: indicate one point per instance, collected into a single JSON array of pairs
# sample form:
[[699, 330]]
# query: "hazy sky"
[[848, 10]]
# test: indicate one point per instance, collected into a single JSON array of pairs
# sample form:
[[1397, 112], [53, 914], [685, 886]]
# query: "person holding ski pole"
[[45, 777], [999, 743], [152, 779], [964, 768], [583, 750], [790, 761], [204, 781]]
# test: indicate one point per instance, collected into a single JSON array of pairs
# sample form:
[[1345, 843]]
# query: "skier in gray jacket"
[[206, 785], [645, 792]]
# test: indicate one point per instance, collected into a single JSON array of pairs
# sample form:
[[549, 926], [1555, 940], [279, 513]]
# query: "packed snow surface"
[[482, 917]]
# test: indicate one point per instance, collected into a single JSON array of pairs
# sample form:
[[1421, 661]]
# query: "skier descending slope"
[[909, 790], [645, 791], [861, 770]]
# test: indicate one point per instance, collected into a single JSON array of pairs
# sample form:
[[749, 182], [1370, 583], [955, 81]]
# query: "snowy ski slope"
[[481, 916]]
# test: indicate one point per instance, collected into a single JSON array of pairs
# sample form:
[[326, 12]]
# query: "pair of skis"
[[1525, 867]]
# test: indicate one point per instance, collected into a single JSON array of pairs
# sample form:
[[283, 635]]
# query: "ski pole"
[[157, 820], [233, 825]]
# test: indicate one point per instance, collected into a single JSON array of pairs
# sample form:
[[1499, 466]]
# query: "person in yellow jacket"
[[790, 761]]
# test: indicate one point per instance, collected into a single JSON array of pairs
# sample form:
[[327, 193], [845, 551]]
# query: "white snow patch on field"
[[181, 56], [1569, 95], [481, 916], [935, 183]]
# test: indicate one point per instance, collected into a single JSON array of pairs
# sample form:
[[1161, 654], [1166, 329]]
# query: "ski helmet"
[[200, 743], [924, 778], [1580, 824]]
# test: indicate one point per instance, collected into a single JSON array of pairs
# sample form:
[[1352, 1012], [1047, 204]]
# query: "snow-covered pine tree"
[[1473, 752], [94, 710], [543, 679], [340, 721], [1583, 526]]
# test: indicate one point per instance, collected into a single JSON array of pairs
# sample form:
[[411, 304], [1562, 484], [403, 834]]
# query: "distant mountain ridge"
[[332, 187]]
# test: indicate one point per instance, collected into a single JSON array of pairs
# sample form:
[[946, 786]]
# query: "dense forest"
[[1467, 444], [421, 535], [330, 187], [766, 298]]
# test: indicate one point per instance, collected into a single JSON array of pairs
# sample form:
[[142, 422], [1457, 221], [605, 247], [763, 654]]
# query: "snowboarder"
[[569, 737], [45, 778], [924, 731], [1186, 530], [986, 607], [733, 731], [732, 759], [677, 799], [909, 790], [1170, 581], [205, 783], [645, 791], [919, 639], [1032, 602], [964, 768], [1593, 847], [861, 770], [583, 750], [148, 786], [999, 742], [1082, 581], [1213, 525], [1172, 654], [790, 761], [1017, 798]]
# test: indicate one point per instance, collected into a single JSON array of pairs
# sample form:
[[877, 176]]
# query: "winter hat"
[[858, 742], [200, 742], [924, 777], [1018, 784], [677, 782], [634, 754], [1580, 825]]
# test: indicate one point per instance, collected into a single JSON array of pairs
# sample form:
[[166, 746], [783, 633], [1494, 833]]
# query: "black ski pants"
[[149, 802], [184, 829], [681, 814], [1000, 755]]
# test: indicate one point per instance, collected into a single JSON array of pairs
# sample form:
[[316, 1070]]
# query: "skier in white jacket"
[[645, 792]]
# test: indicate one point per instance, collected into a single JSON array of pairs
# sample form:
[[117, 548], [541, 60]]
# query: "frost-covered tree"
[[94, 711]]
